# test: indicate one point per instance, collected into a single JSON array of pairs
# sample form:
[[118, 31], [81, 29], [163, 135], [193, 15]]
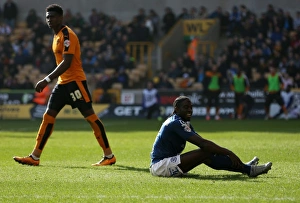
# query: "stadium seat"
[[109, 71], [117, 85], [197, 86]]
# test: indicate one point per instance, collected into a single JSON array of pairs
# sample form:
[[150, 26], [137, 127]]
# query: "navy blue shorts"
[[74, 93]]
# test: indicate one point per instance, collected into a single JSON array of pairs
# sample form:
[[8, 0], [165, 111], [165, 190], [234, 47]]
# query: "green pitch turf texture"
[[65, 173]]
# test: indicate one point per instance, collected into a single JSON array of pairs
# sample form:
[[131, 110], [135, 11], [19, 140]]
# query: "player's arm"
[[60, 69], [281, 83], [247, 83]]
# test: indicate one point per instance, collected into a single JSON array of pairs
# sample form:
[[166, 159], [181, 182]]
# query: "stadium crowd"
[[254, 41]]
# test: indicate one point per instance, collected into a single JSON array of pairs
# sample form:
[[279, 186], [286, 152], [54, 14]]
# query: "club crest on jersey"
[[67, 43], [173, 159], [186, 126]]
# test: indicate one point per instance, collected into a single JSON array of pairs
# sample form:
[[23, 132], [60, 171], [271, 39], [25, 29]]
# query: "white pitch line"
[[165, 197]]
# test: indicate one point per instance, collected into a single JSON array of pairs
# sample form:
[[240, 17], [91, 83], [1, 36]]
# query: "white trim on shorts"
[[168, 167]]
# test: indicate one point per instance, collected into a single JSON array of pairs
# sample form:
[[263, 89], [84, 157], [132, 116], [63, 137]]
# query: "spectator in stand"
[[174, 71], [258, 80], [89, 60], [202, 14], [78, 21], [218, 13], [47, 65], [276, 35], [40, 29], [249, 27], [10, 13], [1, 13], [169, 20], [5, 29], [141, 16], [94, 18], [287, 80], [123, 78], [68, 17], [149, 25], [10, 82], [297, 80], [212, 89], [21, 57], [184, 14], [186, 82], [192, 48], [292, 109], [297, 20], [164, 82], [153, 16], [234, 21], [26, 84], [143, 33], [193, 13], [31, 18], [270, 13], [288, 22], [245, 13], [128, 62]]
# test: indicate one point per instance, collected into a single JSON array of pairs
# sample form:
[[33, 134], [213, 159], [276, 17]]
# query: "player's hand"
[[40, 85]]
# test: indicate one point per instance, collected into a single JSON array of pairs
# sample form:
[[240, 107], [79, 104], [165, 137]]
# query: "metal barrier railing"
[[206, 48], [142, 54]]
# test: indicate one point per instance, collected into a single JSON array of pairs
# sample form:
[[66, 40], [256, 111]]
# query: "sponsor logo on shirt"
[[186, 126], [67, 43]]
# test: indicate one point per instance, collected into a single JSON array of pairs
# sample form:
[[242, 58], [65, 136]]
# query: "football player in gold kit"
[[71, 89]]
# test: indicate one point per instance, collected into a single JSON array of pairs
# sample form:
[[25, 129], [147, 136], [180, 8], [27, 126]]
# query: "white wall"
[[125, 9]]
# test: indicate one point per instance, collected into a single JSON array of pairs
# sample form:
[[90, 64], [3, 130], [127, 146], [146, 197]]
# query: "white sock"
[[34, 157], [109, 156]]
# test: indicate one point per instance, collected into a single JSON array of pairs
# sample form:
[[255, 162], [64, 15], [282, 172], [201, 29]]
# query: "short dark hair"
[[55, 8], [178, 100]]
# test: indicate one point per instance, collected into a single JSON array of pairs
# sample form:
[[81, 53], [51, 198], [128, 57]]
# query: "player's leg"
[[236, 105], [217, 105], [55, 104], [194, 158], [208, 105], [45, 131], [100, 134], [151, 110], [84, 105], [239, 105], [268, 102], [280, 102]]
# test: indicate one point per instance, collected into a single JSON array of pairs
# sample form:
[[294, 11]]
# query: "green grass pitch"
[[65, 173]]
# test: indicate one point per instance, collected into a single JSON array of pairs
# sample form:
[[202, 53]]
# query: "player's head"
[[183, 107], [55, 8], [54, 17]]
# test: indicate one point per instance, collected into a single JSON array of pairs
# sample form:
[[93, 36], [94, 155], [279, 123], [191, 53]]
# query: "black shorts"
[[238, 98], [274, 97], [74, 93], [213, 98]]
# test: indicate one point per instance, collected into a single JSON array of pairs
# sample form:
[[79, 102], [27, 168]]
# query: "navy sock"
[[222, 162]]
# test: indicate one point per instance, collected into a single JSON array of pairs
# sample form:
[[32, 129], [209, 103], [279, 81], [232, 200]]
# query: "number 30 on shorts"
[[76, 95]]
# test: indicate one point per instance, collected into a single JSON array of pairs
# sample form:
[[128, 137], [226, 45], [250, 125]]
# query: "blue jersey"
[[171, 138]]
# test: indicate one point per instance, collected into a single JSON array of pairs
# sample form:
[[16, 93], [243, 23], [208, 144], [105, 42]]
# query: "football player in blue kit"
[[166, 157]]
